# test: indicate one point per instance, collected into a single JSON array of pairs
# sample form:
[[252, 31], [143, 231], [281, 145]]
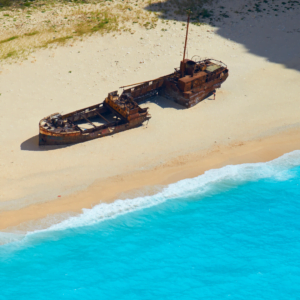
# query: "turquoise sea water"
[[231, 233]]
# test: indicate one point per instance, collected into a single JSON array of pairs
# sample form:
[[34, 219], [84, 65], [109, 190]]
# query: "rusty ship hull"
[[196, 94], [187, 86], [66, 129], [49, 138]]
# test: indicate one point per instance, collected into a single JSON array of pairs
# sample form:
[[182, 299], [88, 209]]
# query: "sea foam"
[[212, 181]]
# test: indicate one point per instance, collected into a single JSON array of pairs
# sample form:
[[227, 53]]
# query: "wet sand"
[[147, 182]]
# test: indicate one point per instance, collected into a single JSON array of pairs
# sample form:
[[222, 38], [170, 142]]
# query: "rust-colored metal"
[[186, 35], [195, 80], [182, 65], [59, 129]]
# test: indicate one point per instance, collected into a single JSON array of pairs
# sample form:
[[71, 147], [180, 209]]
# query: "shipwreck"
[[192, 82]]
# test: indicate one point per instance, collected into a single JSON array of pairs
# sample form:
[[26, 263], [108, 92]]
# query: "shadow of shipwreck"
[[32, 144], [163, 102]]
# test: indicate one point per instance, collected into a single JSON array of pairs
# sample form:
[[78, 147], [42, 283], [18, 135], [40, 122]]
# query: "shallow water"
[[230, 233]]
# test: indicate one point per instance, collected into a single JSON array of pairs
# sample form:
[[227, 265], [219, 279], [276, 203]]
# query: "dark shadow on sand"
[[32, 144], [163, 103], [269, 29]]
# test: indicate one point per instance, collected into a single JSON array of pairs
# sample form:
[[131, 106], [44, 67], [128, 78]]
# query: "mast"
[[187, 31], [182, 65]]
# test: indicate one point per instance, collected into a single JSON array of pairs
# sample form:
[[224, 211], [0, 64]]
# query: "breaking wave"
[[211, 182]]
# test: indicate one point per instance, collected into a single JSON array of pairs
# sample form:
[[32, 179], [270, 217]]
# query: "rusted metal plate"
[[213, 67]]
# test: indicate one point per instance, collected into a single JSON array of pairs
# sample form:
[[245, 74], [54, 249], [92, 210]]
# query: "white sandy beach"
[[255, 116]]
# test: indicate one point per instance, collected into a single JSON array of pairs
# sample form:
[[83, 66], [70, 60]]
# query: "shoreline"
[[132, 184]]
